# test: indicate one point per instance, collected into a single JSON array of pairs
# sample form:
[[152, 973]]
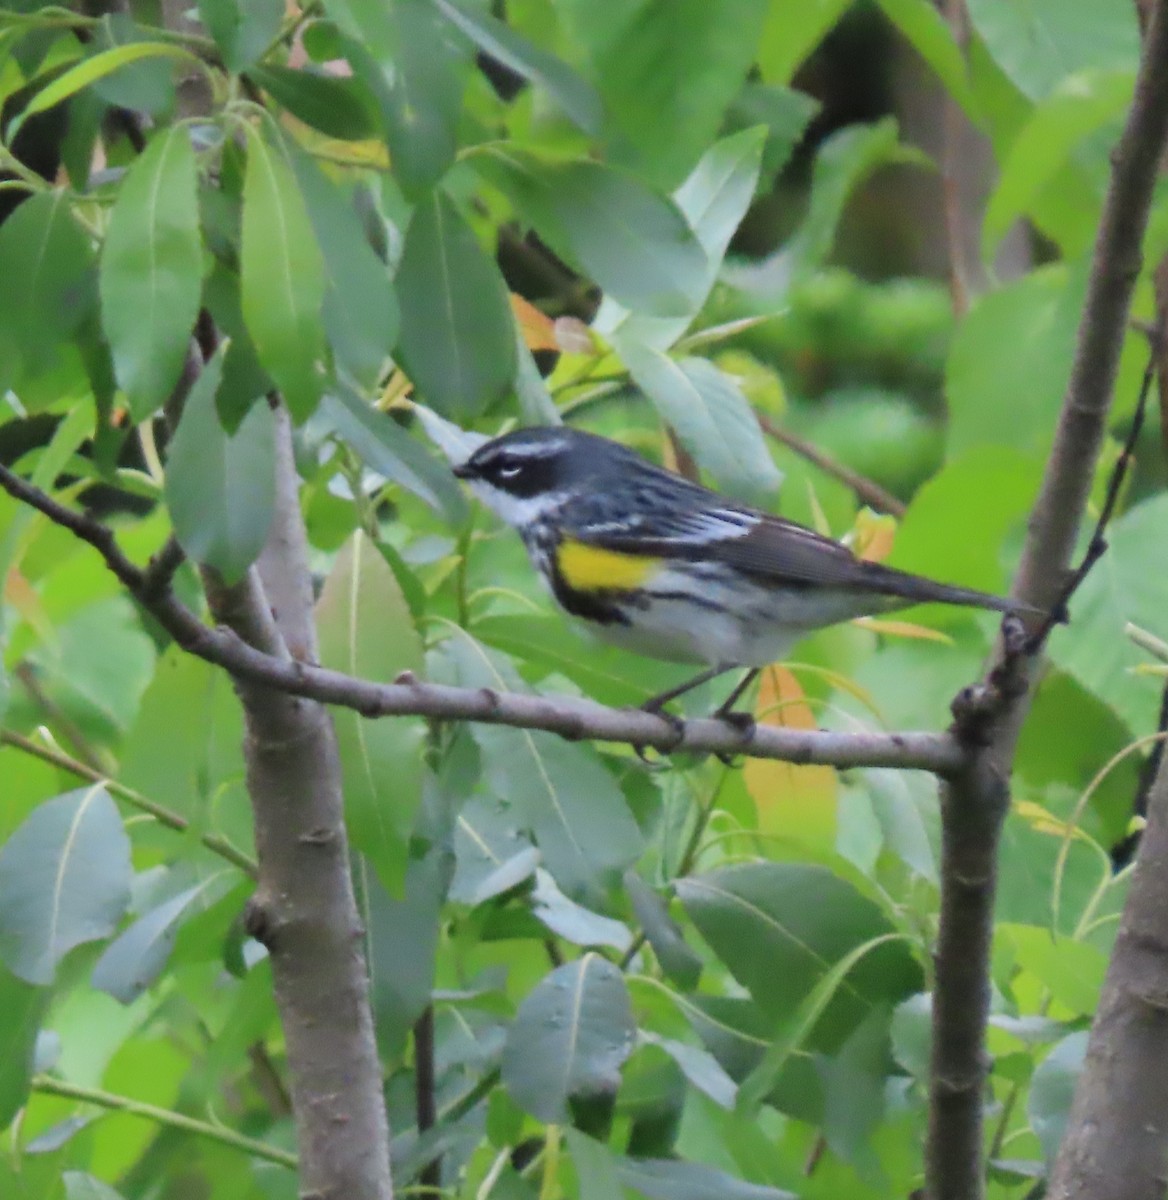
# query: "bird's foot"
[[656, 706], [743, 723]]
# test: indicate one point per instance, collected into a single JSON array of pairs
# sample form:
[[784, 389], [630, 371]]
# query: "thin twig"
[[564, 715], [1097, 546], [425, 1100], [951, 121], [865, 490], [214, 842], [50, 1086], [56, 715]]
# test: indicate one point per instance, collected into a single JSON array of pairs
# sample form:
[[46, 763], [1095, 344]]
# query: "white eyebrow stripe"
[[533, 449]]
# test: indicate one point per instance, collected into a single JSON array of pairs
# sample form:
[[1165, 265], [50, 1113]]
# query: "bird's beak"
[[464, 471]]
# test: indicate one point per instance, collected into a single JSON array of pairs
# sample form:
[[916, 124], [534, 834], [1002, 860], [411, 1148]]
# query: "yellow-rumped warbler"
[[672, 570]]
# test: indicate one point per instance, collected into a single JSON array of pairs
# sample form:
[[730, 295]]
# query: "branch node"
[[259, 920], [492, 698], [405, 678]]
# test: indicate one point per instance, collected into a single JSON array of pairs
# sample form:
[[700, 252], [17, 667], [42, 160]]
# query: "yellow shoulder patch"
[[587, 568]]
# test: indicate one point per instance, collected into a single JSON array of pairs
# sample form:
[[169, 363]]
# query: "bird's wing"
[[766, 547]]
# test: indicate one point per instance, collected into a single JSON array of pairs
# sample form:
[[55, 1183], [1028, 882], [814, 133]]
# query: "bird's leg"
[[725, 712], [741, 721], [656, 704]]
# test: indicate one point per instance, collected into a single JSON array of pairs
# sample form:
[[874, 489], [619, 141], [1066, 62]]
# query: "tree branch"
[[864, 489], [572, 718], [304, 910], [975, 800]]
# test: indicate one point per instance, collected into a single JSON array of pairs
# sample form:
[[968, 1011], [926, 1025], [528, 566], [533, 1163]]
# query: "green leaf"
[[667, 74], [1069, 732], [97, 67], [595, 1166], [43, 247], [243, 29], [558, 790], [947, 538], [64, 880], [402, 944], [1037, 316], [402, 53], [782, 112], [793, 29], [136, 957], [390, 451], [80, 1186], [193, 766], [1071, 971], [700, 1067], [98, 665], [713, 199], [911, 1030], [340, 107], [633, 242], [679, 962], [571, 92], [712, 418], [795, 1032], [151, 271], [1079, 106], [366, 629], [607, 674], [672, 1179], [573, 807], [23, 1005], [855, 1081], [930, 36], [844, 161], [457, 333], [718, 191], [569, 1039], [573, 922], [782, 928], [1039, 43], [221, 489], [1120, 588], [492, 855], [1053, 1089], [281, 277], [360, 309]]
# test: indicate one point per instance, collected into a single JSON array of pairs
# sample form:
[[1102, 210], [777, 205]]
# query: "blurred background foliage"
[[781, 244]]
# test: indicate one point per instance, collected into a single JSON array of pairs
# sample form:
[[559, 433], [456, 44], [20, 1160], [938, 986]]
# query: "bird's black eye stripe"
[[522, 475]]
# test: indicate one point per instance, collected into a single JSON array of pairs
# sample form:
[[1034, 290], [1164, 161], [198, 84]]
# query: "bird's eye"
[[509, 471]]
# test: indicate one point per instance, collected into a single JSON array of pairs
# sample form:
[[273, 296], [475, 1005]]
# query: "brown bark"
[[303, 909], [974, 802], [1116, 1144]]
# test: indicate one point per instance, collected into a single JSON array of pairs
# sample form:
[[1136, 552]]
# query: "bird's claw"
[[744, 724], [674, 722]]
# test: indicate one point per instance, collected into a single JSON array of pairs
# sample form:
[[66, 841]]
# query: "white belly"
[[745, 627]]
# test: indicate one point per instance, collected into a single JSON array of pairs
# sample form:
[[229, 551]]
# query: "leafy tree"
[[269, 927]]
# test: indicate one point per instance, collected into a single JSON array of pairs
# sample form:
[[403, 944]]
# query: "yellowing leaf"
[[794, 801], [873, 535], [538, 329], [1042, 820], [904, 629]]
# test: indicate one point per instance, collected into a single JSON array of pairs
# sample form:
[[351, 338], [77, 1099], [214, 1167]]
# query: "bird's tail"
[[915, 589]]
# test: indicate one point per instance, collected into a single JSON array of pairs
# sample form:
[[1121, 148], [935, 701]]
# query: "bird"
[[672, 570]]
